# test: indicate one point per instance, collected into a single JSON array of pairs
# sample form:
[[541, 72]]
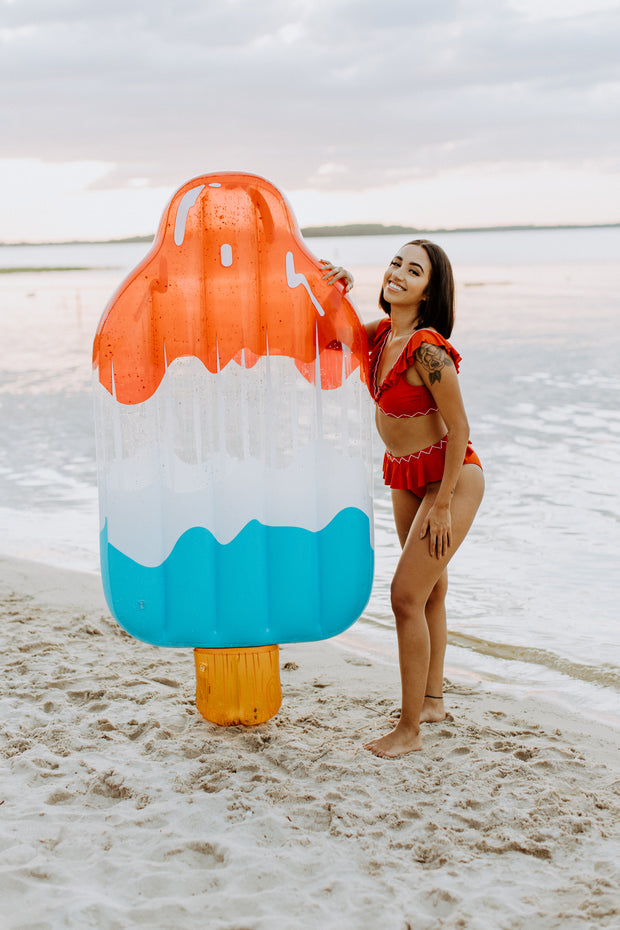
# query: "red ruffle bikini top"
[[395, 396]]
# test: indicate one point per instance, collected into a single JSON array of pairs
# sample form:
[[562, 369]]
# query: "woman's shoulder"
[[430, 336]]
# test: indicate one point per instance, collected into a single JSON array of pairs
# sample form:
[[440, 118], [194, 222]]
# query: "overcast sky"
[[442, 113]]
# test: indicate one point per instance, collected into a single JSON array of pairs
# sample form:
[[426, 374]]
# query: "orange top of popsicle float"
[[228, 279]]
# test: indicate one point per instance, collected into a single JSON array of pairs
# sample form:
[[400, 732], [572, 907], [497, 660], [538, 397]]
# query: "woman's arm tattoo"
[[433, 359]]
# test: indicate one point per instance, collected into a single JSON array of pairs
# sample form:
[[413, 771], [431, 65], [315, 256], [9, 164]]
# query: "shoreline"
[[480, 671], [490, 670], [113, 782]]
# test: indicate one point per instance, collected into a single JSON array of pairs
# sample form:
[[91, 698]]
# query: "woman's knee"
[[405, 600], [410, 600]]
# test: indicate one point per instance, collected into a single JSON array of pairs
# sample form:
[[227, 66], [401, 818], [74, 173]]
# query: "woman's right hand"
[[337, 273], [438, 524]]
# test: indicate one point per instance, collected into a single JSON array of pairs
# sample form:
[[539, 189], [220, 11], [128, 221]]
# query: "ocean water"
[[534, 598]]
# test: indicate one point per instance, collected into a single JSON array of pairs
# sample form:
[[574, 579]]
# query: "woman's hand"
[[337, 273], [438, 524]]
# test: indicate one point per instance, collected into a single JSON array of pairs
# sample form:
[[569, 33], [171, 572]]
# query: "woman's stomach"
[[404, 435]]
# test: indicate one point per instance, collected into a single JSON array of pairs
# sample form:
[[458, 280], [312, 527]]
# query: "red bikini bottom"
[[414, 472]]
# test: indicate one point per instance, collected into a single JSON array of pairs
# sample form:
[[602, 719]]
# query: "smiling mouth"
[[394, 287]]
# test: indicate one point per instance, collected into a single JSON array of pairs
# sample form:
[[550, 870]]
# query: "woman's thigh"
[[405, 505], [418, 571]]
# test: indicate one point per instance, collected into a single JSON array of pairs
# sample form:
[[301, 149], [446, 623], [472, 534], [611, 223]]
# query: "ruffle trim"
[[413, 472], [407, 357], [408, 416]]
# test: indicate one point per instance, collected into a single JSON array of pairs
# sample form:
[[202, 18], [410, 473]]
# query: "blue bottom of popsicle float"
[[270, 584]]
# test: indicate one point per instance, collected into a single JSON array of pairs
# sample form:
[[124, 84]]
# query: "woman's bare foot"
[[401, 740], [433, 710]]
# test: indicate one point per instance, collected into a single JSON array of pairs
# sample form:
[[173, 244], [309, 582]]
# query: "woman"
[[434, 474]]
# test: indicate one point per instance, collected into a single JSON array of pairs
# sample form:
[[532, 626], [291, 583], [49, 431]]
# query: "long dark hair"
[[437, 308]]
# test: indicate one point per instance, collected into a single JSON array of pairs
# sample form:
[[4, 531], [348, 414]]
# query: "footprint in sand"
[[358, 660], [59, 797]]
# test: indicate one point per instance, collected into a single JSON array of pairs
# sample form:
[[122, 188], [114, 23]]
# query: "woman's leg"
[[416, 575], [405, 506], [433, 708]]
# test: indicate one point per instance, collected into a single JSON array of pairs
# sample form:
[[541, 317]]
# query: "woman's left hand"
[[438, 524], [337, 273]]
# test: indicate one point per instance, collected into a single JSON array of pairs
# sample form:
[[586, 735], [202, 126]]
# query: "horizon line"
[[344, 229]]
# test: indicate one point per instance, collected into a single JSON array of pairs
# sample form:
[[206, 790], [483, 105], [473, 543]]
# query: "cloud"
[[343, 95]]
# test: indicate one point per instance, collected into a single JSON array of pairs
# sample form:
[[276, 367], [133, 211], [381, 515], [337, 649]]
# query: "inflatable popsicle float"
[[233, 443]]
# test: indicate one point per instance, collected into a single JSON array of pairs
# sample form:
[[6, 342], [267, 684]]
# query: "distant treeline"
[[377, 229], [355, 229], [126, 241]]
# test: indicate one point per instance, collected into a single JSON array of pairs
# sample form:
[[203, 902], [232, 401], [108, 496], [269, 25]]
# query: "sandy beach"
[[122, 807]]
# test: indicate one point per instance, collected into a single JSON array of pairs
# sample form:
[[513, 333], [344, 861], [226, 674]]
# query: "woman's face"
[[407, 277]]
